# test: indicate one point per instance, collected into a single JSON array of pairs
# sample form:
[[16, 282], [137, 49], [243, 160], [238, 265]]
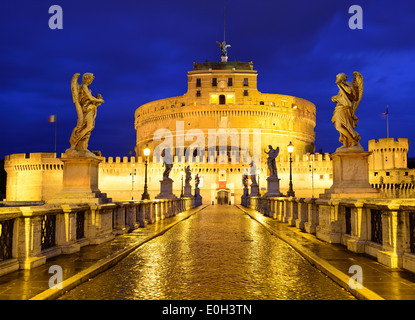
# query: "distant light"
[[146, 152], [258, 171]]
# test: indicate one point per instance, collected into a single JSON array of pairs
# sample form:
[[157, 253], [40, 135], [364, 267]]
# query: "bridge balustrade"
[[30, 235], [381, 228]]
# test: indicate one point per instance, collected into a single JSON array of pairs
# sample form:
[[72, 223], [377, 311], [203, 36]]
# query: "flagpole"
[[387, 121], [56, 125], [387, 125]]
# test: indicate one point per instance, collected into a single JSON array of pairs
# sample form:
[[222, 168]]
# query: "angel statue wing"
[[220, 44], [358, 87], [75, 96]]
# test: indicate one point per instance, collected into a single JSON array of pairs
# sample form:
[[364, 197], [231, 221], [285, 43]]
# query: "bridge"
[[176, 249]]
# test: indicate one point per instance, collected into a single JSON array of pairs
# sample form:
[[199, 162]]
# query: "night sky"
[[140, 51]]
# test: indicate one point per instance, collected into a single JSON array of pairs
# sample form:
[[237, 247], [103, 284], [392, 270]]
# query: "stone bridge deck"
[[379, 281]]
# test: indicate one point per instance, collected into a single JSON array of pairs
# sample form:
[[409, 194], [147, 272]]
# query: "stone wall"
[[38, 176]]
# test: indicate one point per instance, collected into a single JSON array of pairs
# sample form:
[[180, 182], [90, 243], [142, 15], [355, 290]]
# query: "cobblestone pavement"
[[218, 253]]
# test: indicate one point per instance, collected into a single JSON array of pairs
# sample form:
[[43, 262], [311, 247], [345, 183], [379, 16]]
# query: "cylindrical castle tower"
[[225, 95]]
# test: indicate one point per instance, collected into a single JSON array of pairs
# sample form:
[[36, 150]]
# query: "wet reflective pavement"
[[218, 253]]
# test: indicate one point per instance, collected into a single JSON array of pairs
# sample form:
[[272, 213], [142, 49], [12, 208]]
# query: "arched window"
[[222, 99]]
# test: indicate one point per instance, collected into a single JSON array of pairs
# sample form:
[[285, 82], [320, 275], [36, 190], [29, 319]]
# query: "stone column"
[[302, 213], [359, 234], [311, 224], [393, 242]]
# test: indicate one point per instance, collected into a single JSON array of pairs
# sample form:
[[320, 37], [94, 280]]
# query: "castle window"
[[406, 173], [245, 93], [214, 82], [222, 99], [230, 99], [198, 82], [376, 174], [272, 104], [388, 174], [198, 93], [230, 82], [214, 99], [261, 103], [245, 82]]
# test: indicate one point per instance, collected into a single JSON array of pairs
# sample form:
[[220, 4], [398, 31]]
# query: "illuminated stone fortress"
[[224, 96], [220, 96]]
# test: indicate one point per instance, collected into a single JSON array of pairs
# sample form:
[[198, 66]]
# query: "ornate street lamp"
[[182, 173], [290, 192], [145, 195]]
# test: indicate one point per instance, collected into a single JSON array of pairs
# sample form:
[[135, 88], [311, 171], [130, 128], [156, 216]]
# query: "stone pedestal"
[[197, 193], [166, 189], [350, 176], [254, 190], [188, 191], [80, 182], [198, 197], [246, 192], [273, 189]]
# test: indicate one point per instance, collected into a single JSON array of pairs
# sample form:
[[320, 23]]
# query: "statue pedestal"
[[246, 192], [80, 182], [254, 190], [350, 176], [197, 193], [273, 189], [188, 191], [198, 197], [166, 189]]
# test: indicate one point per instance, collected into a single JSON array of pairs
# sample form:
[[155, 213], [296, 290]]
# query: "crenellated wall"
[[38, 176]]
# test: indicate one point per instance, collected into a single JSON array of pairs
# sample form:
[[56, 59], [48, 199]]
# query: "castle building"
[[218, 127], [225, 95]]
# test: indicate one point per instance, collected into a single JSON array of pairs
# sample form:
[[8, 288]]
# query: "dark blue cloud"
[[141, 51]]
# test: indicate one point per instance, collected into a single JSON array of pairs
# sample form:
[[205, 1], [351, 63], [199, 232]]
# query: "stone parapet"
[[32, 234], [381, 228]]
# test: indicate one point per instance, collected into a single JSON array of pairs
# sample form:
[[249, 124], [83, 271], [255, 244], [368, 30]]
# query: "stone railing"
[[381, 228], [31, 234]]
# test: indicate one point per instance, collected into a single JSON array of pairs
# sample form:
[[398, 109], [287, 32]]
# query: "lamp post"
[[182, 173], [145, 195], [312, 174], [132, 174], [290, 191], [259, 189]]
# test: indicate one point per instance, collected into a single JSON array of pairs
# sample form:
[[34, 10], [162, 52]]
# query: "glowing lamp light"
[[290, 148], [146, 152]]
